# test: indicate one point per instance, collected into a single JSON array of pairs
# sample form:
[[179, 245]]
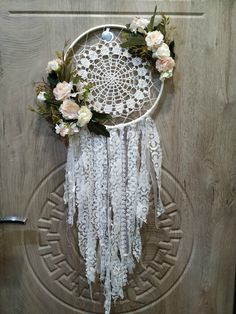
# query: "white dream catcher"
[[112, 167], [108, 179]]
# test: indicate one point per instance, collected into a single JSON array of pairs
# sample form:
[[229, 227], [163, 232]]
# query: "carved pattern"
[[154, 276]]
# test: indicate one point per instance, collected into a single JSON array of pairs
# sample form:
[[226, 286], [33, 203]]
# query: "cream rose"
[[165, 64], [84, 116], [154, 40], [162, 51], [139, 24], [69, 109], [54, 65], [62, 90]]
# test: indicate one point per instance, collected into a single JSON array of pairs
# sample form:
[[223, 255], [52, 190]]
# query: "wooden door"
[[188, 263]]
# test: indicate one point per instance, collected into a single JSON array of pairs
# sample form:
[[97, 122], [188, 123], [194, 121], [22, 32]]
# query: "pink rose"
[[69, 109], [154, 40], [165, 64], [62, 90]]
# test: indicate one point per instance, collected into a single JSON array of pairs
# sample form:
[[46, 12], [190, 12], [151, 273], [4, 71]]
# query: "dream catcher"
[[114, 155]]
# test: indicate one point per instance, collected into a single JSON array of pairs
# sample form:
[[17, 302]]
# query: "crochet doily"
[[124, 86]]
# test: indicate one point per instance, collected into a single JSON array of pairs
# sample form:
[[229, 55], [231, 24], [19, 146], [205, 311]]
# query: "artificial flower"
[[54, 65], [154, 40], [80, 87], [165, 75], [41, 97], [84, 116], [165, 64], [62, 90], [69, 109], [73, 129], [62, 128], [61, 96], [139, 24], [162, 51]]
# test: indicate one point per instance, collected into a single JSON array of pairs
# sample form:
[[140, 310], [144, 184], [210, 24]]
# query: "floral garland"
[[63, 99], [152, 43]]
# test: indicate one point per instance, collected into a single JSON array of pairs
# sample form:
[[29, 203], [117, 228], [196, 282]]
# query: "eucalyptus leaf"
[[76, 79], [152, 20], [134, 41], [52, 102], [98, 116], [172, 47], [52, 79], [98, 128]]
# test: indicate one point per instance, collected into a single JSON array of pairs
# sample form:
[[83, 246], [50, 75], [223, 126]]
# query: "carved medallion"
[[59, 268]]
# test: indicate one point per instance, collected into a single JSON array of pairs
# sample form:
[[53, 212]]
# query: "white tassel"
[[108, 183]]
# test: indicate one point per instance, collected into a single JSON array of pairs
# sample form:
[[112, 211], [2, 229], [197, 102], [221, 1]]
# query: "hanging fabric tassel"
[[108, 182]]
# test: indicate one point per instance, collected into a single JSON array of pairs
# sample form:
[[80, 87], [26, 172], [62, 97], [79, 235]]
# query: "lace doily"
[[124, 85]]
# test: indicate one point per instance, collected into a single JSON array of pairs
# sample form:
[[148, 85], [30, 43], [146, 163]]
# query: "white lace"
[[123, 85], [107, 184]]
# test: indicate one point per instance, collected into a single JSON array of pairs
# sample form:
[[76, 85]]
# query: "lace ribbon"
[[107, 184]]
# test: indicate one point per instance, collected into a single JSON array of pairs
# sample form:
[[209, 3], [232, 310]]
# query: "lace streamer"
[[107, 184]]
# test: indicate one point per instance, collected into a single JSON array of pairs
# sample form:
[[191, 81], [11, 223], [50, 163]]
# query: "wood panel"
[[188, 263]]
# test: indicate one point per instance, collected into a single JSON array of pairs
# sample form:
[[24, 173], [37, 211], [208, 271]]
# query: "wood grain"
[[188, 264]]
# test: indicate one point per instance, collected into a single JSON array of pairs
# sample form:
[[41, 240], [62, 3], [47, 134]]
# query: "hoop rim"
[[119, 26]]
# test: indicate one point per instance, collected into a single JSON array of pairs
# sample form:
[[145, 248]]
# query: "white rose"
[[154, 40], [162, 51], [69, 109], [84, 116], [41, 97], [62, 90], [139, 24], [54, 65], [62, 129], [165, 75]]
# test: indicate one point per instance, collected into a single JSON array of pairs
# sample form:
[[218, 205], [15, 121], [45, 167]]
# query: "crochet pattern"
[[123, 84]]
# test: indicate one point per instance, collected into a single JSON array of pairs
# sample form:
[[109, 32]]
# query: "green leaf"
[[172, 47], [53, 103], [52, 79], [98, 116], [152, 20], [124, 35], [165, 20], [55, 115], [58, 54], [134, 41], [98, 128], [76, 79], [32, 109]]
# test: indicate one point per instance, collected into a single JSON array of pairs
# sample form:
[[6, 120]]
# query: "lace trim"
[[108, 182]]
